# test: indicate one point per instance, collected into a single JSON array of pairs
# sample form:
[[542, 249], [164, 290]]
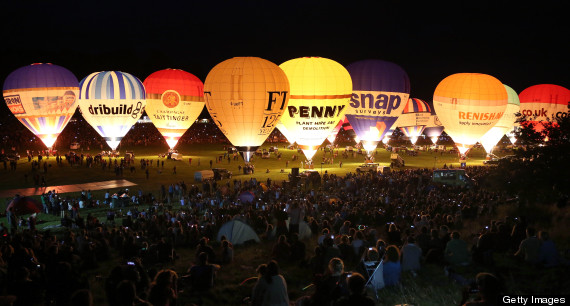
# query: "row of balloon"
[[307, 98]]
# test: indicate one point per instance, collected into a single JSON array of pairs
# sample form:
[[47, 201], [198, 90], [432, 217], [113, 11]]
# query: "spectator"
[[298, 248], [356, 284], [530, 247], [258, 292], [203, 274], [489, 290], [548, 254], [392, 267], [331, 286], [456, 252], [204, 247], [282, 249], [411, 255], [163, 290], [227, 252], [296, 215], [274, 287]]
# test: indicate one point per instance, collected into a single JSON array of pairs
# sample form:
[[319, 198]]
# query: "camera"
[[370, 249]]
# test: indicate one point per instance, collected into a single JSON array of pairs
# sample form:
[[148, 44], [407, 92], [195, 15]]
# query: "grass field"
[[430, 287], [201, 156]]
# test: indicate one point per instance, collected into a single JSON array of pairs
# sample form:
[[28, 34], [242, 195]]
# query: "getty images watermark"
[[534, 300]]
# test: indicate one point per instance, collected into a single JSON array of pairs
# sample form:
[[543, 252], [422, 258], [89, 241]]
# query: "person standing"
[[296, 215]]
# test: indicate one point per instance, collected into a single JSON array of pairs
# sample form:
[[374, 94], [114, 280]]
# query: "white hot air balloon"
[[111, 102]]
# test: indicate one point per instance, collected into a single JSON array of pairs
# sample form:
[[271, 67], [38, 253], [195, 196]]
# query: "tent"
[[304, 230], [237, 232]]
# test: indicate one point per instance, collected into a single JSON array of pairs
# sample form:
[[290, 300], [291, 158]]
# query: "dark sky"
[[522, 44]]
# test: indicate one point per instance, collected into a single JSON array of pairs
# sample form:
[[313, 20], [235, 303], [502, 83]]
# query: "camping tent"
[[237, 232]]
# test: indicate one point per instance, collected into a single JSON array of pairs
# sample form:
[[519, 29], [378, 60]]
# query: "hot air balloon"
[[332, 137], [289, 136], [469, 105], [505, 124], [542, 103], [387, 135], [43, 97], [246, 97], [320, 89], [111, 102], [380, 91], [434, 128], [174, 99], [414, 118]]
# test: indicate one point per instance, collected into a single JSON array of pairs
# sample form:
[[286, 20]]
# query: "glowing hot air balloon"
[[380, 91], [111, 102], [320, 89], [246, 97], [414, 118], [332, 137], [43, 97], [469, 105], [545, 102], [174, 99], [434, 128], [289, 136], [505, 124], [387, 136]]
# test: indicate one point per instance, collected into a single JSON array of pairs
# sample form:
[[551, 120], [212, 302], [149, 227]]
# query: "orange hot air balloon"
[[174, 99], [469, 105], [246, 97]]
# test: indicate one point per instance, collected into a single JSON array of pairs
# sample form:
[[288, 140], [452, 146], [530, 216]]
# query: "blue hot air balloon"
[[380, 91]]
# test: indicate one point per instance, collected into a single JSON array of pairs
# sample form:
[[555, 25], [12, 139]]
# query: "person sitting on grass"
[[392, 267], [202, 275], [163, 291], [456, 252], [356, 284], [273, 285]]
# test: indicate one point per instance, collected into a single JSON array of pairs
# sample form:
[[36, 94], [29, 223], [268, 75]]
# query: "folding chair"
[[374, 271]]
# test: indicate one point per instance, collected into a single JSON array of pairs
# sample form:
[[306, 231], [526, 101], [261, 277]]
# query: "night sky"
[[522, 44]]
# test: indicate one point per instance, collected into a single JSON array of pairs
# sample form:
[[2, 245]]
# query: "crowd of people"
[[400, 220]]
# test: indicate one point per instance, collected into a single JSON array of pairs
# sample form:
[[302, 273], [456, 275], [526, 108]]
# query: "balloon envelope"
[[43, 97], [505, 124], [434, 128], [380, 91], [288, 135], [246, 97], [545, 102], [414, 118], [469, 105], [320, 89], [111, 102], [174, 100]]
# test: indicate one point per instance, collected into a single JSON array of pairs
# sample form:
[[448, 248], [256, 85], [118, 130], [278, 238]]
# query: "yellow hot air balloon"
[[469, 105], [505, 124], [246, 97], [320, 91], [289, 136]]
